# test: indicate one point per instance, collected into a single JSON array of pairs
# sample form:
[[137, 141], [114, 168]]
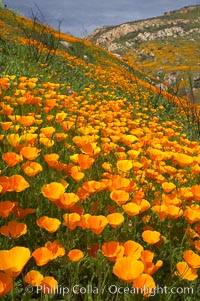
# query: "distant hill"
[[167, 47]]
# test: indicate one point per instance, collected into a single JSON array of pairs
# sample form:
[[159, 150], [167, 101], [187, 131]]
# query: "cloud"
[[80, 17]]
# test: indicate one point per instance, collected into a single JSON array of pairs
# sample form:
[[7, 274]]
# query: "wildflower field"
[[99, 175]]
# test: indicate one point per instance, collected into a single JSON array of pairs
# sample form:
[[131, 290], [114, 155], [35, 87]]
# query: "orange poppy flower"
[[192, 214], [97, 223], [112, 250], [47, 142], [129, 139], [149, 267], [6, 208], [196, 192], [115, 219], [6, 284], [72, 220], [13, 261], [31, 169], [13, 140], [151, 237], [48, 131], [84, 221], [192, 259], [133, 154], [76, 174], [17, 183], [185, 271], [84, 161], [56, 248], [51, 159], [131, 209], [119, 196], [174, 212], [197, 244], [128, 268], [91, 149], [26, 120], [14, 229], [48, 223], [30, 153], [21, 213], [144, 204], [5, 184], [75, 255], [48, 285], [6, 125], [12, 158], [119, 183], [33, 278], [145, 283], [93, 186], [168, 186], [161, 211], [183, 160], [53, 191], [133, 249], [124, 165], [67, 200], [42, 256], [171, 199]]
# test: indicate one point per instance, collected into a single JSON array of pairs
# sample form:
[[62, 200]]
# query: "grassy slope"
[[176, 56], [98, 106]]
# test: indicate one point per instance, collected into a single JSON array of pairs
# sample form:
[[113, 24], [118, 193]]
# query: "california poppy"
[[131, 208], [42, 256], [192, 259], [185, 271], [132, 249], [51, 159], [13, 261], [33, 278], [97, 223], [67, 200], [75, 255], [196, 192], [14, 229], [145, 283], [147, 258], [30, 153], [168, 186], [12, 158], [48, 285], [17, 183], [53, 191], [115, 219], [112, 250], [76, 174], [151, 237], [6, 284], [31, 168], [84, 161], [6, 208], [128, 268], [124, 165], [56, 248], [71, 220], [119, 196], [48, 223]]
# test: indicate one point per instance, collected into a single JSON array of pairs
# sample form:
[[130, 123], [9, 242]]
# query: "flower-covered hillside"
[[99, 183]]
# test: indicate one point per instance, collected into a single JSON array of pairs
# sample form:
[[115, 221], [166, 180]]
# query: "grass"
[[100, 175]]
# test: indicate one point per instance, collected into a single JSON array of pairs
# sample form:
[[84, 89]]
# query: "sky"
[[81, 17]]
